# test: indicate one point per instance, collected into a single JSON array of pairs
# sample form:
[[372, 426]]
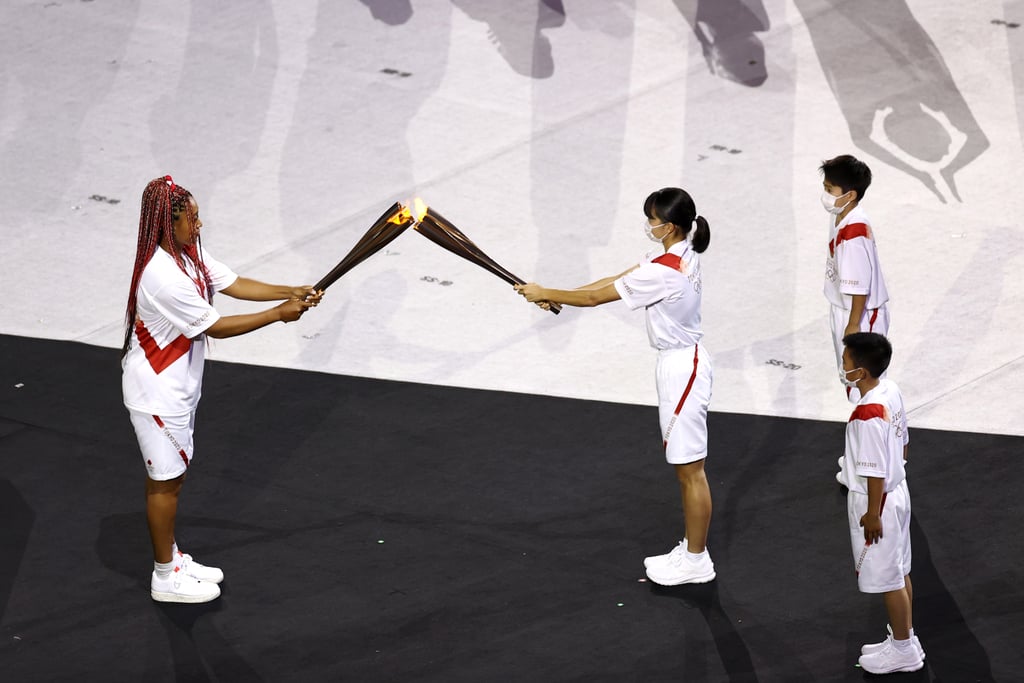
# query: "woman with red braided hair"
[[169, 315]]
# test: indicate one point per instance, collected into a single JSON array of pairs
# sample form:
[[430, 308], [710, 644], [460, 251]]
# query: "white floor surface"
[[538, 128]]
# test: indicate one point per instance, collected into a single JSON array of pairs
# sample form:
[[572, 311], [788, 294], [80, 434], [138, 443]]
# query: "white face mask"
[[649, 231], [829, 202], [848, 382]]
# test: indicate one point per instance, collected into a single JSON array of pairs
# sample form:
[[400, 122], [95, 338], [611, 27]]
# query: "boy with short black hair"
[[854, 285], [878, 503]]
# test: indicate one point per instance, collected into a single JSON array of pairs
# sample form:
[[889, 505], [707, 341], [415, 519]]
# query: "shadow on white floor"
[[538, 127]]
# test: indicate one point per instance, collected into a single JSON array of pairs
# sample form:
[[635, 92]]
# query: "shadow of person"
[[122, 547], [731, 649], [953, 651], [390, 12], [516, 30], [50, 98], [190, 662], [18, 519], [222, 98], [915, 118], [726, 30]]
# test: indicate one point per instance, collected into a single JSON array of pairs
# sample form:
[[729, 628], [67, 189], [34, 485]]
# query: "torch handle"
[[443, 233], [380, 234]]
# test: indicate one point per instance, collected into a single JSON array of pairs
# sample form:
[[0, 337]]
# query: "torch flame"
[[421, 209], [401, 217]]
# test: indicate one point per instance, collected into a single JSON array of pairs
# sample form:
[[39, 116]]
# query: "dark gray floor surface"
[[384, 531]]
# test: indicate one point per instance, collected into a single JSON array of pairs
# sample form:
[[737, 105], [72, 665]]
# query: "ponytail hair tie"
[[170, 181]]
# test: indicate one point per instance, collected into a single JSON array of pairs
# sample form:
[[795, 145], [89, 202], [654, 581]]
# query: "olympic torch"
[[443, 232]]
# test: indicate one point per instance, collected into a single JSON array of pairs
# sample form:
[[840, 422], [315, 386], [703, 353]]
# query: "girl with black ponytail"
[[667, 285]]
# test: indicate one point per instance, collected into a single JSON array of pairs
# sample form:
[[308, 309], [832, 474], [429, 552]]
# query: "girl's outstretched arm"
[[534, 293]]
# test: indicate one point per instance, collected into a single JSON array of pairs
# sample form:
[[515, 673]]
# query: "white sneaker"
[[871, 648], [662, 559], [681, 569], [180, 587], [196, 570], [890, 659]]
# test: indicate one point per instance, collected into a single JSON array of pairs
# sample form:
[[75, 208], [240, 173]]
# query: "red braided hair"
[[163, 202]]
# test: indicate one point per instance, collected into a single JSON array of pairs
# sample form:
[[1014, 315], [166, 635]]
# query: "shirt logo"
[[897, 423], [695, 280], [199, 321], [830, 270]]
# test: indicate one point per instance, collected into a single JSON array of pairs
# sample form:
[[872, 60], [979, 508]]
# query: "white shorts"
[[166, 443], [684, 393], [881, 566], [872, 320]]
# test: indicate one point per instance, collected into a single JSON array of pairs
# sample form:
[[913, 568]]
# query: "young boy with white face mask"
[[854, 285], [878, 503]]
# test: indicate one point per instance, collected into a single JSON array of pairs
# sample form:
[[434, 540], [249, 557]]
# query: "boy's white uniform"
[[668, 285], [163, 369], [875, 439], [852, 267]]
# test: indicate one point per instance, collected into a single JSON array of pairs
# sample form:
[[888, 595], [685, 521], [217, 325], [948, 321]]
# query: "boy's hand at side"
[[872, 524]]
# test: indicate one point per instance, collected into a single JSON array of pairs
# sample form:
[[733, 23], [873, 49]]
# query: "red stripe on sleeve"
[[849, 232], [161, 358], [670, 260], [869, 411]]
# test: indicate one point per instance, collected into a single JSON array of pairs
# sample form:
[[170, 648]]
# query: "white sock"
[[694, 556], [911, 631], [903, 645], [163, 569]]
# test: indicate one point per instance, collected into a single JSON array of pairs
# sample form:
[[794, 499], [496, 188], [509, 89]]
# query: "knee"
[[168, 487], [691, 473]]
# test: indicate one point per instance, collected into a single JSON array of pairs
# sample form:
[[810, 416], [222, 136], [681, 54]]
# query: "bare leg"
[[897, 604], [161, 510], [910, 597], [693, 485]]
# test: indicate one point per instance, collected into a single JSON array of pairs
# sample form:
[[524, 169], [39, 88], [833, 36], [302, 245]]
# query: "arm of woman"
[[607, 280], [534, 293], [234, 325], [254, 290], [594, 294]]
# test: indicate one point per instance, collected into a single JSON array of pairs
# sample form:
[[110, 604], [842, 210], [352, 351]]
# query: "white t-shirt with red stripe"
[[668, 285], [875, 437], [851, 265], [163, 369]]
